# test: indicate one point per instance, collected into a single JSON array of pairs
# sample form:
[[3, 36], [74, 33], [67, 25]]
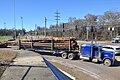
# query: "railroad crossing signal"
[[111, 28], [76, 28], [92, 29], [63, 27]]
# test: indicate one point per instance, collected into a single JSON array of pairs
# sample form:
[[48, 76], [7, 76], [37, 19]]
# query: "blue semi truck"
[[91, 52]]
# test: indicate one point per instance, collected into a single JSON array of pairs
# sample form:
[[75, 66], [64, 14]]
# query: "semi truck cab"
[[95, 52], [91, 52]]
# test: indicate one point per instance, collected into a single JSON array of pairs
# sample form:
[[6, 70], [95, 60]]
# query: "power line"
[[51, 20], [42, 23]]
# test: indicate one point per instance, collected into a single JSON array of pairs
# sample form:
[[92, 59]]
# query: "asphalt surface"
[[28, 66], [98, 71]]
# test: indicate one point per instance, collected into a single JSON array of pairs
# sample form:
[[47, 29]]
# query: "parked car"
[[116, 39], [115, 49]]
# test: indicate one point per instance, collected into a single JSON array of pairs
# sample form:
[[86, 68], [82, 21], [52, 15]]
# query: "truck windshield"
[[96, 49], [108, 48], [118, 37]]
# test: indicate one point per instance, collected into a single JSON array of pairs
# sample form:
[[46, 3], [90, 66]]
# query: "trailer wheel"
[[64, 55], [107, 62], [116, 41], [71, 56]]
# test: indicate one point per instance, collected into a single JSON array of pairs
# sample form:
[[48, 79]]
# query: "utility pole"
[[5, 28], [87, 32], [35, 29], [15, 21], [45, 27], [22, 24], [57, 20], [4, 25]]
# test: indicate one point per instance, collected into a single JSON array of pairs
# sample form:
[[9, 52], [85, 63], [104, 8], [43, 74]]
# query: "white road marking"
[[73, 78]]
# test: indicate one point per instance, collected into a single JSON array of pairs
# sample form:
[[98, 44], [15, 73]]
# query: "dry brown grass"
[[6, 57]]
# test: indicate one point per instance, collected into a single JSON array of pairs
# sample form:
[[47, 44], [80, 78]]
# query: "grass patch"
[[5, 38]]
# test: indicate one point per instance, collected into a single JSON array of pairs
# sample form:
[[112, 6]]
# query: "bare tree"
[[101, 20], [112, 19], [71, 20], [111, 15], [90, 19]]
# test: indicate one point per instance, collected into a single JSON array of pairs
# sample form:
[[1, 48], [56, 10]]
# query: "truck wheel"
[[77, 57], [90, 59], [64, 55], [107, 62], [116, 41], [71, 56]]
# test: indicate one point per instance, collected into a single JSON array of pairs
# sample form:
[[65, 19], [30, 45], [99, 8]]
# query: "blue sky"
[[34, 11]]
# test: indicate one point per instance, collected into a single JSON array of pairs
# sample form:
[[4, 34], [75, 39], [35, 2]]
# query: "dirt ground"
[[6, 57], [75, 73]]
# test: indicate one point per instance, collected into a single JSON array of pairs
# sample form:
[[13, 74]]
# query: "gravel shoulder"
[[74, 72]]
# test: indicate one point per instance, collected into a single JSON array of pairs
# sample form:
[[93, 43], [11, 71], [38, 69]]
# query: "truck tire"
[[107, 62], [90, 59], [71, 56], [77, 57], [116, 41], [64, 55]]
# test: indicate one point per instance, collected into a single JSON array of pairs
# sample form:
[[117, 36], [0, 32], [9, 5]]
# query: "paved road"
[[98, 71]]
